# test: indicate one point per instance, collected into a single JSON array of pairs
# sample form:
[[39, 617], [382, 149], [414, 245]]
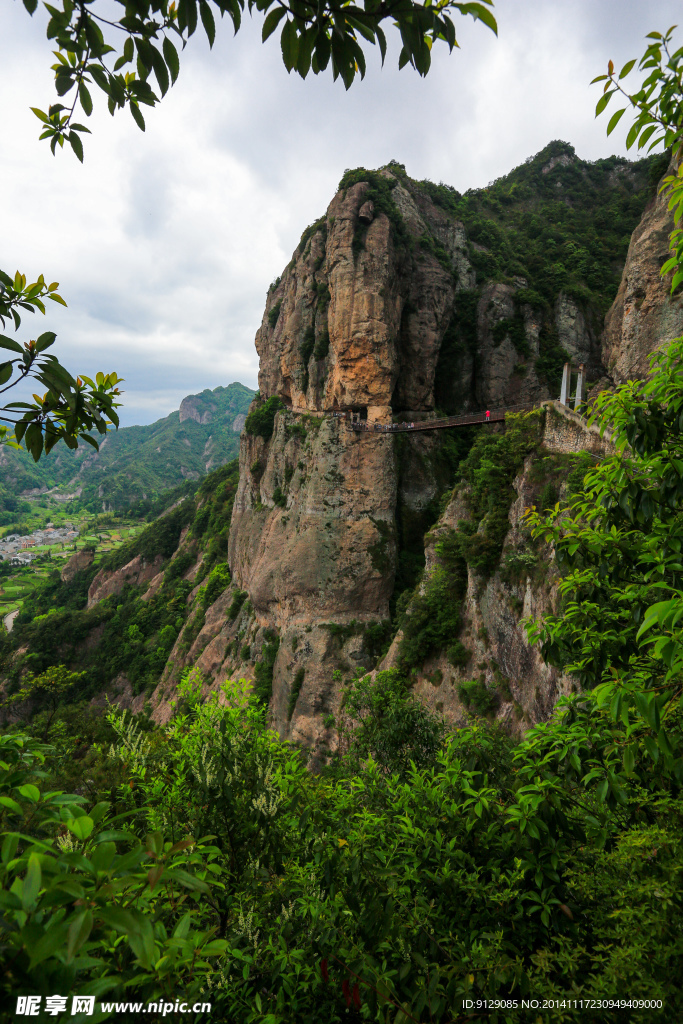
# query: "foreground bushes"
[[379, 890]]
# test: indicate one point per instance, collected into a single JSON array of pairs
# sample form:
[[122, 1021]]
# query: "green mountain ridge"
[[134, 463]]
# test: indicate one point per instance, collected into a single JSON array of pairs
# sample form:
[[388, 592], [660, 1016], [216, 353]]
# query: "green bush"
[[307, 345], [236, 604], [322, 345], [274, 313], [459, 655], [261, 420], [432, 621], [219, 579], [279, 497], [295, 691], [476, 696], [389, 724], [263, 670]]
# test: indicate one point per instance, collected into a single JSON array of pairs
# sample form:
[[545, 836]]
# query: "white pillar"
[[566, 383], [580, 388]]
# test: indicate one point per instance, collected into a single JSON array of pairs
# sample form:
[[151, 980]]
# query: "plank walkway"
[[496, 416]]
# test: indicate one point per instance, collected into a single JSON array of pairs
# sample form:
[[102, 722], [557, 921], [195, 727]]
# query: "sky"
[[165, 242]]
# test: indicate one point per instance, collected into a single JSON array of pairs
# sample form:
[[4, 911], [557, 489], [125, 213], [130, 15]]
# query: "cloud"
[[165, 243]]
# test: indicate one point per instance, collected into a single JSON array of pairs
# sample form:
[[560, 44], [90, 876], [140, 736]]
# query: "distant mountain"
[[134, 463]]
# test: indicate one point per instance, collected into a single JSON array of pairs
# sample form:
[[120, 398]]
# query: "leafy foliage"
[[70, 407], [261, 420], [659, 117], [391, 726], [153, 30], [489, 470]]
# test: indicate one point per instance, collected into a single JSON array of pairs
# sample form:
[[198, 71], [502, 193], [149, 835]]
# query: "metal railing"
[[494, 416]]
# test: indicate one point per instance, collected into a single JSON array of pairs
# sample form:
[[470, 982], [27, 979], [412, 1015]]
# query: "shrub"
[[279, 497], [261, 420], [274, 313], [307, 345], [432, 620], [236, 605], [219, 579], [381, 718], [459, 655], [322, 345], [263, 670], [294, 692], [476, 696], [517, 565]]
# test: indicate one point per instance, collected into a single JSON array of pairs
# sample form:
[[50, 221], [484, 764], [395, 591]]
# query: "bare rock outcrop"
[[134, 573], [643, 315], [79, 560]]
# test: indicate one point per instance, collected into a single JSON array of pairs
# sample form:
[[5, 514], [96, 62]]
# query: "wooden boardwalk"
[[495, 416]]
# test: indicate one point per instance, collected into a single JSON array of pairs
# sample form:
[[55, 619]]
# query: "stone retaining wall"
[[566, 431]]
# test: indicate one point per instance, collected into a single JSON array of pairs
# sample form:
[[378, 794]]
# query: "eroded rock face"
[[358, 317], [501, 657], [195, 408], [135, 572], [78, 561], [643, 315]]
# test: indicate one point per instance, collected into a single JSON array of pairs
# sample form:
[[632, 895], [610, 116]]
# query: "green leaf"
[[32, 882], [171, 58], [52, 940], [76, 145], [5, 372], [30, 792], [627, 68], [207, 21], [160, 70], [273, 19], [10, 344], [614, 120], [289, 44], [9, 846], [45, 340], [603, 101], [12, 805], [79, 930], [137, 116], [85, 98], [81, 827]]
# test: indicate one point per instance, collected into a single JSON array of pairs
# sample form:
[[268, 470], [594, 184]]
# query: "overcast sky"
[[164, 243]]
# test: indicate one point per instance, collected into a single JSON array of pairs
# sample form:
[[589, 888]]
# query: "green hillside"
[[134, 463]]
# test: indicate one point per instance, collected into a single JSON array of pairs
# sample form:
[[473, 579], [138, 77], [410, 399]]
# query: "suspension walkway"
[[493, 416]]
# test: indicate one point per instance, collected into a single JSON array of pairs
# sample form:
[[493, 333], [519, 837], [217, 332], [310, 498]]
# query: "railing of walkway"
[[494, 416]]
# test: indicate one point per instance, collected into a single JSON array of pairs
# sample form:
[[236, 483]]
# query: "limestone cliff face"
[[362, 319], [523, 688], [643, 315], [357, 320], [362, 316]]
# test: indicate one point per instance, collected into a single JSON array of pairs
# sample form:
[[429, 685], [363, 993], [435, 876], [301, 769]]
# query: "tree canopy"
[[119, 54]]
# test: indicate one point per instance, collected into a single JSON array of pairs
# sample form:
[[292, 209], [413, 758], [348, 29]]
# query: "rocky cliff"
[[347, 551], [384, 312], [644, 314]]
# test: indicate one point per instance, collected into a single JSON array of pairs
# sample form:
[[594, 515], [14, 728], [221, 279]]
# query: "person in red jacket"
[[488, 414]]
